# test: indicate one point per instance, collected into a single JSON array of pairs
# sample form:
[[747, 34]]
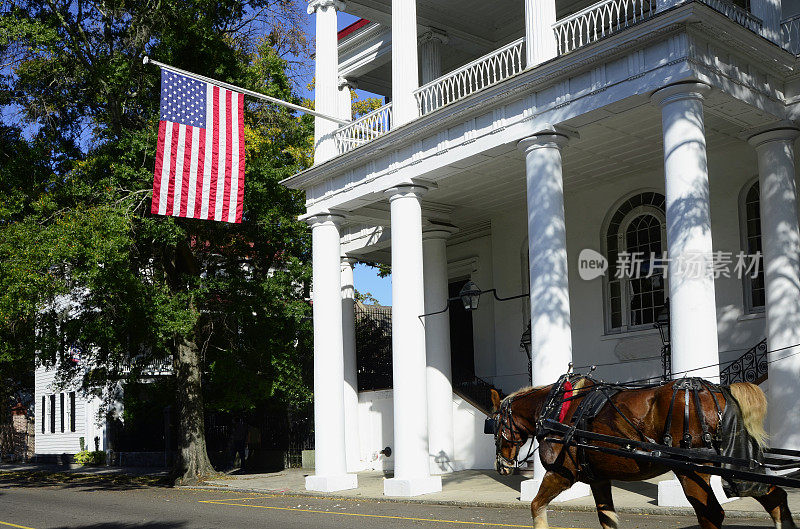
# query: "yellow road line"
[[364, 515], [15, 525]]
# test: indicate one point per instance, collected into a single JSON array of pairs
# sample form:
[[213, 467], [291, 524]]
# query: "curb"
[[663, 511]]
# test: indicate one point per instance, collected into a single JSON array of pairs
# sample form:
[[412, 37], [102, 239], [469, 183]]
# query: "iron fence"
[[373, 346]]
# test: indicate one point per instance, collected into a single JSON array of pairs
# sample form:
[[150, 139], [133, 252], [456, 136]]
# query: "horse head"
[[512, 429]]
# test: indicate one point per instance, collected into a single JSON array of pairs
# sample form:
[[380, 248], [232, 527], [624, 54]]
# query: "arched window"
[[635, 243], [751, 245]]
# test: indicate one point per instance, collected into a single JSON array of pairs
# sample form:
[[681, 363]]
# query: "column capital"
[[780, 133], [348, 261], [433, 34], [543, 140], [405, 190], [436, 231], [324, 218], [349, 83], [680, 91], [314, 5]]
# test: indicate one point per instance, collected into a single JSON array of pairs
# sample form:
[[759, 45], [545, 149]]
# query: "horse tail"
[[753, 404]]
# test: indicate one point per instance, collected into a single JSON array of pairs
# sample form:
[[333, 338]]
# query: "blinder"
[[490, 426]]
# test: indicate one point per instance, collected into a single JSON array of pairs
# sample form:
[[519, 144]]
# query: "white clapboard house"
[[549, 147]]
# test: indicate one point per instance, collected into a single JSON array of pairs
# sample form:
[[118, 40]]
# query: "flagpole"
[[245, 91]]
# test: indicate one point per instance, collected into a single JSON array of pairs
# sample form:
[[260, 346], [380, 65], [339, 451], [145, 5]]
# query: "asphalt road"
[[99, 505]]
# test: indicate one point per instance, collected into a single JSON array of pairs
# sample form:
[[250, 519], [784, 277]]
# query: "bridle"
[[506, 427]]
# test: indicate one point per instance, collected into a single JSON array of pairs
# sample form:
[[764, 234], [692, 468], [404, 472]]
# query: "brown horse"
[[639, 414]]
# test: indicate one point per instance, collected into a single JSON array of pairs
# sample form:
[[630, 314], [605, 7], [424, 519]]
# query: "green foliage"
[[87, 458], [77, 145]]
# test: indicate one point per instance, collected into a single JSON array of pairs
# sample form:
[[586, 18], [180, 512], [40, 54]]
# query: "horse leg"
[[601, 490], [697, 488], [552, 485], [774, 502]]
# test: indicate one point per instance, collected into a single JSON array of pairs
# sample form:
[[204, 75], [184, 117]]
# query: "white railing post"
[[790, 34], [540, 15]]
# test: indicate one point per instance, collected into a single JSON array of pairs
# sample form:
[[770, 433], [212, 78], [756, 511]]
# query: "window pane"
[[755, 285]]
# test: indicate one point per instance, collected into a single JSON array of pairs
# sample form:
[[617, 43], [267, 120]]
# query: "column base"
[[331, 483], [530, 487], [670, 493], [412, 487]]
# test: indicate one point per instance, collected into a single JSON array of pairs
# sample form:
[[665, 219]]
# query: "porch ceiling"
[[620, 141]]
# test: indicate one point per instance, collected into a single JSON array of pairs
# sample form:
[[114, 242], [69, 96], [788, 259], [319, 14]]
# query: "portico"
[[650, 151]]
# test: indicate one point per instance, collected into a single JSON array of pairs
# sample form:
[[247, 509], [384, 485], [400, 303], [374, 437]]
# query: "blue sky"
[[365, 277]]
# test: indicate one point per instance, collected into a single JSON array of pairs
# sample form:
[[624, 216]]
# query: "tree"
[[221, 300]]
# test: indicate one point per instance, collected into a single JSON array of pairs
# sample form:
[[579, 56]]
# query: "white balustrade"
[[364, 129], [790, 33], [473, 77], [600, 20], [736, 13]]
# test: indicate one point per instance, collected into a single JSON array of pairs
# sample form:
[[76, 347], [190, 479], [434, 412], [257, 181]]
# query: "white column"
[[693, 309], [551, 334], [780, 240], [405, 75], [430, 52], [351, 439], [437, 346], [769, 11], [330, 470], [345, 98], [540, 39], [326, 76], [411, 471]]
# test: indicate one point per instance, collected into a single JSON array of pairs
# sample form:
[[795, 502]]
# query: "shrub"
[[85, 457]]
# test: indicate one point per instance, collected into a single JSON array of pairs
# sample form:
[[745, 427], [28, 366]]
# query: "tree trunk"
[[192, 465]]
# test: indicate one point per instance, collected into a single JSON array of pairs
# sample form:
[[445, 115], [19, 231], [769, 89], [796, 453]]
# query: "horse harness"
[[595, 396]]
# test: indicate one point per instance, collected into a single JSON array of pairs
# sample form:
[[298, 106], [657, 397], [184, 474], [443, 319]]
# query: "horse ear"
[[495, 400]]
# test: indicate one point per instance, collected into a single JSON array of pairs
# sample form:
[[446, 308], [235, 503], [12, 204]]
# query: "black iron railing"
[[477, 392], [750, 367], [373, 346]]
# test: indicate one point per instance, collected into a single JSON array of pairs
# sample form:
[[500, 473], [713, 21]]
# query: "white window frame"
[[747, 282], [625, 292]]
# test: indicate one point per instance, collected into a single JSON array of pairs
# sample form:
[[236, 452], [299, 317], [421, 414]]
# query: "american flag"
[[200, 157]]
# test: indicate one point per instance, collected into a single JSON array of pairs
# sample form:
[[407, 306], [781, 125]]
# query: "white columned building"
[[482, 82], [411, 466], [693, 308], [330, 471], [437, 347], [781, 254], [351, 436], [551, 333]]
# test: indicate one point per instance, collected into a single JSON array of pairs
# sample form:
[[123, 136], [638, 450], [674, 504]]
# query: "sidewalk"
[[486, 488], [80, 469]]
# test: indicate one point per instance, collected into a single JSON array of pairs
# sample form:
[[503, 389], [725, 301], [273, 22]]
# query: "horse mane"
[[581, 383]]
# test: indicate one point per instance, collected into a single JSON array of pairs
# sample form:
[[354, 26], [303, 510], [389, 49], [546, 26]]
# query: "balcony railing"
[[364, 129], [790, 34], [736, 13], [473, 77], [600, 20]]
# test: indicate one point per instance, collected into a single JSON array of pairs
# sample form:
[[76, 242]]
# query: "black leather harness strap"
[[668, 426]]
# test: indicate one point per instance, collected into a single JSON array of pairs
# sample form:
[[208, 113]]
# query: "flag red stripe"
[[173, 155], [162, 127], [240, 191], [187, 169], [226, 192], [201, 157], [212, 192]]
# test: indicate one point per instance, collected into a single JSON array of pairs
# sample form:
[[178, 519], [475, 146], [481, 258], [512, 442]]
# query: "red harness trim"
[[565, 403]]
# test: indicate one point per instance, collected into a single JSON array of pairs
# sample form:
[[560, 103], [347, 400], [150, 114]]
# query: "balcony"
[[572, 32]]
